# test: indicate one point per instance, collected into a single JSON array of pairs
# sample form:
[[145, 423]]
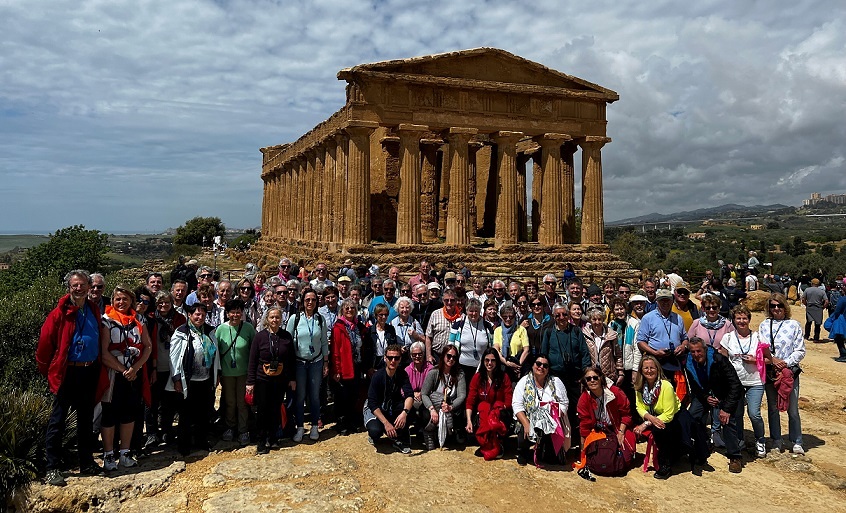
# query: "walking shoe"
[[664, 472], [152, 441], [55, 478], [126, 460], [735, 465], [717, 439], [109, 462], [760, 449], [262, 447], [840, 359], [797, 449], [228, 435], [298, 436], [244, 439], [401, 447], [314, 434], [777, 446]]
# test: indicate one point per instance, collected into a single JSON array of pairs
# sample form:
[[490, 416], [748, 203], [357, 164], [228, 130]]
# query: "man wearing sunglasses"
[[95, 293], [285, 270], [683, 306], [389, 402], [549, 296], [440, 323], [388, 298], [204, 277]]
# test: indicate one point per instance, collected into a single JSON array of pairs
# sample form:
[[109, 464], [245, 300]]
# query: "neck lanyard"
[[473, 336], [404, 326], [748, 348], [668, 325], [712, 336], [234, 341]]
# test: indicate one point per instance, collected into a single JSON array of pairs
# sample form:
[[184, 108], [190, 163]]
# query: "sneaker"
[[228, 435], [840, 359], [735, 465], [760, 449], [55, 478], [797, 449], [244, 439], [777, 446], [298, 436], [401, 447], [152, 441], [126, 460], [109, 462], [314, 434]]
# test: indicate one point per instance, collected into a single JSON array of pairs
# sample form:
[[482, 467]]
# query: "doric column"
[[311, 213], [568, 188], [340, 182], [329, 190], [317, 197], [458, 213], [537, 193], [473, 185], [286, 193], [506, 163], [357, 222], [429, 188], [275, 203], [302, 210], [408, 214], [593, 222], [522, 228], [264, 203], [552, 217], [280, 196], [443, 191]]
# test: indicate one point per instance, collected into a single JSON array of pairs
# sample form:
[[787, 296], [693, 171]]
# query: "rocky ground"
[[346, 474]]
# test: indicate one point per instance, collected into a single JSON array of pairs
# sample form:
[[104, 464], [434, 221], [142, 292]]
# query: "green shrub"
[[22, 428]]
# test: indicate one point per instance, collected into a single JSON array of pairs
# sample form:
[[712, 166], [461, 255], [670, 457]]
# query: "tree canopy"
[[193, 231]]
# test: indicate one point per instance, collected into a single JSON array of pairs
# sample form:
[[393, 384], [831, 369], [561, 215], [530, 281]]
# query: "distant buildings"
[[756, 227], [816, 198]]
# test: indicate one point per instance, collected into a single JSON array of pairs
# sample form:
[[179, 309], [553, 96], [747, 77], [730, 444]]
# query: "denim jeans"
[[793, 422], [309, 376], [754, 396], [76, 392]]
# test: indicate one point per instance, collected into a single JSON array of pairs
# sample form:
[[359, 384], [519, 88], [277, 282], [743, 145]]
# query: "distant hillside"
[[727, 211]]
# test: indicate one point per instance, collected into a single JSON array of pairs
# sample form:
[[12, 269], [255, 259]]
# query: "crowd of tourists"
[[575, 373]]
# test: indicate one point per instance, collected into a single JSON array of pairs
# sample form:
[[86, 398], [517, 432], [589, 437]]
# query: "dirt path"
[[346, 474]]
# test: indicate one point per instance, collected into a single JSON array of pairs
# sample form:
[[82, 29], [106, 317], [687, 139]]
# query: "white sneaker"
[[126, 460], [244, 439], [228, 435], [109, 462], [776, 446], [760, 449], [797, 449], [298, 436], [314, 434]]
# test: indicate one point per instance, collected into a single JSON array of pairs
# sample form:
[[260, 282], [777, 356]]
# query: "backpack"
[[605, 458]]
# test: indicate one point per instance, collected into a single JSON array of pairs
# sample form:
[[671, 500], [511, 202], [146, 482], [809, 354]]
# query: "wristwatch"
[[406, 410]]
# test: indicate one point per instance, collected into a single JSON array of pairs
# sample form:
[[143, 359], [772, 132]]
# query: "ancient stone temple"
[[429, 156]]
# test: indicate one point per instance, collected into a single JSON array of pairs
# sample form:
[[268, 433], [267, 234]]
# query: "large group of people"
[[440, 358]]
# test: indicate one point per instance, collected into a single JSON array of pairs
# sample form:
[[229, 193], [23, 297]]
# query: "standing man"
[[650, 287], [550, 297], [68, 355], [394, 274], [321, 276], [437, 331], [423, 276], [389, 298], [204, 277], [95, 294], [344, 283], [179, 291], [662, 334], [155, 282]]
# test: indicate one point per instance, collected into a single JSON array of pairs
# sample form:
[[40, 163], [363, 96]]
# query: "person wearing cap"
[[751, 281], [344, 283], [345, 269], [683, 306], [435, 292], [662, 333], [449, 280]]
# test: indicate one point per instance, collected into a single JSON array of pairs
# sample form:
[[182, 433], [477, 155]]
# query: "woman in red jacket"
[[490, 397], [604, 412], [345, 366]]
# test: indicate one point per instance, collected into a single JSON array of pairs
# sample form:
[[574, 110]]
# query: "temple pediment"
[[479, 67]]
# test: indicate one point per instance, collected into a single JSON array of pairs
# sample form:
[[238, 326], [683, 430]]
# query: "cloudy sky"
[[135, 116]]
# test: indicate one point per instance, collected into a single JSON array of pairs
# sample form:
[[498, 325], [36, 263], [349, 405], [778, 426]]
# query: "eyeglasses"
[[625, 292], [205, 276], [309, 299], [490, 360], [499, 290], [321, 270], [417, 355], [245, 288], [549, 283], [710, 308], [682, 292], [541, 365], [392, 358], [98, 287], [449, 301], [560, 315], [523, 303], [776, 305], [163, 303], [537, 305], [143, 301], [284, 266], [449, 356], [281, 291], [389, 289], [591, 378]]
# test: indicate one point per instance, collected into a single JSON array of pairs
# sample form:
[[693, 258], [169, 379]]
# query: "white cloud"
[[165, 104]]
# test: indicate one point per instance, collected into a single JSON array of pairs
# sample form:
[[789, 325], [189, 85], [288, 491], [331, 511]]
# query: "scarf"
[[650, 397], [451, 318], [719, 323], [165, 327], [355, 338], [208, 347], [127, 320], [507, 332], [540, 323]]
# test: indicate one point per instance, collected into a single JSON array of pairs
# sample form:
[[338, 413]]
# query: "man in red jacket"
[[68, 354]]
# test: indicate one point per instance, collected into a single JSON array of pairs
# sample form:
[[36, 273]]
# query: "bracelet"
[[647, 423]]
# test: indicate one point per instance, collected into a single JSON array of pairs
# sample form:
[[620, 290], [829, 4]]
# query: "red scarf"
[[452, 318]]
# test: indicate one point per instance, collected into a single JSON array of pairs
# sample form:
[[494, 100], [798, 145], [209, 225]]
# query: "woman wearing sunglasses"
[[488, 400], [604, 414], [787, 344], [540, 407], [710, 326], [246, 292], [443, 394], [536, 323], [345, 366], [417, 371]]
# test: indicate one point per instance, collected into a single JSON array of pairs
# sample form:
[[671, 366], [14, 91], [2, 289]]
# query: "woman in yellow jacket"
[[657, 404], [512, 342]]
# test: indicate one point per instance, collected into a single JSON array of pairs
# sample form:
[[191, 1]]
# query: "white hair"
[[404, 299]]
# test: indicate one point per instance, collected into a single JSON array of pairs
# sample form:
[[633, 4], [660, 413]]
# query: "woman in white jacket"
[[194, 371]]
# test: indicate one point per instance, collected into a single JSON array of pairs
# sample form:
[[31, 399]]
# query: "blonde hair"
[[775, 296], [640, 379]]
